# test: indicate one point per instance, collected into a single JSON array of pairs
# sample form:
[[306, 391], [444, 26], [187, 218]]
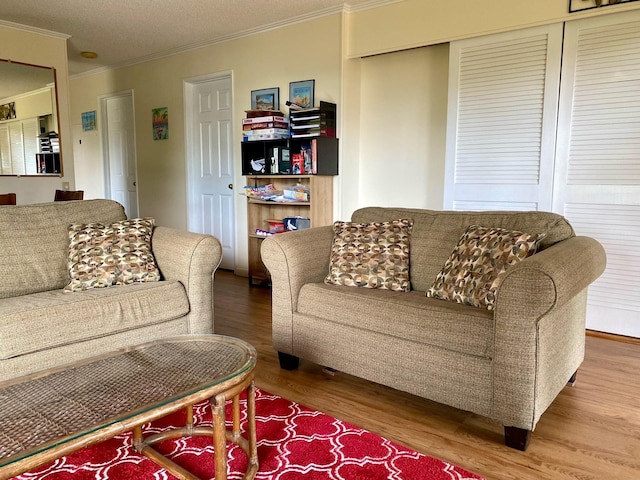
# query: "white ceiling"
[[130, 31]]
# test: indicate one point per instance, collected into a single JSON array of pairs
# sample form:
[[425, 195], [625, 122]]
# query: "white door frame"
[[104, 140], [189, 125]]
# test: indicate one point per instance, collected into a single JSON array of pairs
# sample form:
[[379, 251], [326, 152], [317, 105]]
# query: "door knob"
[[231, 186]]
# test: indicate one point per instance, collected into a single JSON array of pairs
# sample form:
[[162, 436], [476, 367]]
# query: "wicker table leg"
[[219, 436], [217, 431]]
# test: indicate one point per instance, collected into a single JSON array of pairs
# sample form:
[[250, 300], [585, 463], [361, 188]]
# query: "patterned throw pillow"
[[371, 255], [118, 254], [471, 275]]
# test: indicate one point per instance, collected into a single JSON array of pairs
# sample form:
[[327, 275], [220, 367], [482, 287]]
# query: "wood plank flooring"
[[590, 432]]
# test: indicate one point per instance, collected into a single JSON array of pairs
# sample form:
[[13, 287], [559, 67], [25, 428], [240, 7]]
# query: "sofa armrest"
[[294, 259], [539, 323], [192, 259]]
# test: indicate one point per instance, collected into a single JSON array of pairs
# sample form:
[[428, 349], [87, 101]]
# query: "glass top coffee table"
[[48, 415]]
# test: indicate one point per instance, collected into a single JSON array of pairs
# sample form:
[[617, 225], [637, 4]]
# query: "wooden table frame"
[[218, 431], [217, 394]]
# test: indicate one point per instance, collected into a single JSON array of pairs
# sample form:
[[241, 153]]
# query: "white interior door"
[[210, 161], [598, 163], [120, 152]]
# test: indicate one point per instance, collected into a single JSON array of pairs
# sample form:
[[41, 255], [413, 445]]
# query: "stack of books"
[[314, 122], [268, 125]]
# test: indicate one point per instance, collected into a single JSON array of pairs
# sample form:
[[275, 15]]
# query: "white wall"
[[403, 117]]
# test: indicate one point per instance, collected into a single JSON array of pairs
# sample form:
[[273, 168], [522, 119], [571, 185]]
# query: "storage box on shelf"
[[265, 125], [314, 122]]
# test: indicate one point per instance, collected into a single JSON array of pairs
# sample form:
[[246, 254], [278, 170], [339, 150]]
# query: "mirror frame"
[[55, 106]]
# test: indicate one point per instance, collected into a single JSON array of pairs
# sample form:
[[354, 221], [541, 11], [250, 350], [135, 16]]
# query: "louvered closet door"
[[598, 159], [501, 120]]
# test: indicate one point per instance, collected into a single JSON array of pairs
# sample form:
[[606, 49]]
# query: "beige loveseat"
[[41, 326], [508, 364]]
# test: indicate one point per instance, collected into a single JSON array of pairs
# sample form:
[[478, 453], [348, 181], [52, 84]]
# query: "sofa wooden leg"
[[572, 380], [517, 438], [288, 362]]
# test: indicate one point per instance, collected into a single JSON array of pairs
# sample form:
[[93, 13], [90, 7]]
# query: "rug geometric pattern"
[[294, 443]]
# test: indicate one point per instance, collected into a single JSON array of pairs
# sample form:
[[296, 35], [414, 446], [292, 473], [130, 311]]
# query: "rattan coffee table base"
[[218, 431]]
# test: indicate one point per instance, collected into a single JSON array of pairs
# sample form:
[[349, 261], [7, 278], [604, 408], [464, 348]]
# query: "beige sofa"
[[508, 364], [41, 326]]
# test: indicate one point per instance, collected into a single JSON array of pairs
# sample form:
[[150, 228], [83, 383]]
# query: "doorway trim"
[[104, 140]]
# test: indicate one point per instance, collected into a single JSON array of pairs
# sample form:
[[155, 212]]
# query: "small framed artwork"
[[265, 99], [160, 122], [301, 93], [8, 111], [579, 5], [88, 121]]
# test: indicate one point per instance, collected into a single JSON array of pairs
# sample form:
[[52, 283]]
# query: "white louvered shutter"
[[17, 149], [501, 121], [30, 142], [598, 159], [5, 151]]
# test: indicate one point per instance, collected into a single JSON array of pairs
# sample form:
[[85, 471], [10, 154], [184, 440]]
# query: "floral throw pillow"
[[471, 275], [371, 255], [117, 254]]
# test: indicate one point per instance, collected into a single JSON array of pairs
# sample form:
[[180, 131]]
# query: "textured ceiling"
[[130, 31]]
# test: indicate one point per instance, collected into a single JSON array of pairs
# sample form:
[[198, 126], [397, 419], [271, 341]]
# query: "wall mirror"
[[29, 136]]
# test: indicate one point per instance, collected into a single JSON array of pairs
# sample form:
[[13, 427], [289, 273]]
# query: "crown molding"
[[345, 8], [28, 28]]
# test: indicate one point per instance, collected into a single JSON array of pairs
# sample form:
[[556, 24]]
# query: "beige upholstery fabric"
[[32, 319], [371, 255], [435, 233], [42, 327], [469, 330], [507, 364], [35, 238]]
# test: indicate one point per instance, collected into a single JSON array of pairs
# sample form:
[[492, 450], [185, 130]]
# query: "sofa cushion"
[[371, 255], [35, 241], [471, 275], [117, 254], [410, 316], [50, 319], [435, 233]]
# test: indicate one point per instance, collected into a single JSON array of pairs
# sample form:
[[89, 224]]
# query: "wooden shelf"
[[319, 209], [270, 202]]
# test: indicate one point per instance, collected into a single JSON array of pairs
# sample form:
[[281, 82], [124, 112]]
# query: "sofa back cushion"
[[435, 233], [34, 242]]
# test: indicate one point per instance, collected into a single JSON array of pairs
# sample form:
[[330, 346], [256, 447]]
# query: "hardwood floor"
[[590, 432]]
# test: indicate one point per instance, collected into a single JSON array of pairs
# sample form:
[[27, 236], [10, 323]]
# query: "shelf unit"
[[325, 148], [319, 209]]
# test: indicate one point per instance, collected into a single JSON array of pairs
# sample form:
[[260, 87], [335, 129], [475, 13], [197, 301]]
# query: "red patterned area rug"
[[294, 442]]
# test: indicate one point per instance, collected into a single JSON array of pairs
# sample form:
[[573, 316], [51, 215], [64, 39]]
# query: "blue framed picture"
[[301, 93], [88, 121]]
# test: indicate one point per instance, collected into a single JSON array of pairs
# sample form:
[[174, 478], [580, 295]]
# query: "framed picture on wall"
[[579, 5], [265, 99], [8, 111], [302, 93]]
